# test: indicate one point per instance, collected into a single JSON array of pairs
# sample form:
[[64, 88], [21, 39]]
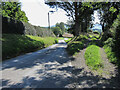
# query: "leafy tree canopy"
[[61, 26], [13, 10], [56, 30], [79, 12]]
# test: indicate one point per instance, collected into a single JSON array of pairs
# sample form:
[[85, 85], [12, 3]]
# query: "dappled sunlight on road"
[[49, 68]]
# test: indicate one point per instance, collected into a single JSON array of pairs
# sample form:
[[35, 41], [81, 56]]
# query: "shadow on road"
[[52, 69]]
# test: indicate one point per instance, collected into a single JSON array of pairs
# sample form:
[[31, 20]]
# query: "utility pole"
[[48, 21], [49, 18]]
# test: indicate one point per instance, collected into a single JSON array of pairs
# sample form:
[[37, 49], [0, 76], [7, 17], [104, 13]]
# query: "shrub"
[[110, 54], [92, 57], [75, 47]]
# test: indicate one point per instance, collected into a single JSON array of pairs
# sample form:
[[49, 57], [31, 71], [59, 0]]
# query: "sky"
[[37, 13]]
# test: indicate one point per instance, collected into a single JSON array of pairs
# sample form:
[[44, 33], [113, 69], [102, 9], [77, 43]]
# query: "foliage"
[[112, 44], [108, 13], [92, 57], [14, 45], [61, 25], [80, 12], [81, 37], [75, 47], [76, 44], [13, 10], [12, 26], [56, 30], [46, 40], [17, 27], [110, 54]]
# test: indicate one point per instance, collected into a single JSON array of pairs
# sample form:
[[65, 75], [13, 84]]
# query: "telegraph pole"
[[49, 18]]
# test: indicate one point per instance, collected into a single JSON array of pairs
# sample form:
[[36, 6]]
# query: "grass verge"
[[92, 57], [75, 47], [76, 44], [46, 40], [14, 45], [110, 54]]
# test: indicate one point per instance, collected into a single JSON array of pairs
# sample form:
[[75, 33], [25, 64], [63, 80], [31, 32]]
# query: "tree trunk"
[[77, 29], [103, 27]]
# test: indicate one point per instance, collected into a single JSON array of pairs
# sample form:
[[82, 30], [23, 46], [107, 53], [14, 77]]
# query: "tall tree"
[[76, 11], [108, 12], [13, 10], [61, 26]]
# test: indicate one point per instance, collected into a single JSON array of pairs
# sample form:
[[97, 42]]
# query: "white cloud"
[[37, 13]]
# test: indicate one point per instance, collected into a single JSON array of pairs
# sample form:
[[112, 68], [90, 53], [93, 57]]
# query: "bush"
[[92, 57], [110, 54], [112, 44], [56, 30], [75, 47]]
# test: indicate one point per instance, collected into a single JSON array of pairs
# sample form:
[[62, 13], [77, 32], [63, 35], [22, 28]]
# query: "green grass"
[[76, 44], [75, 47], [110, 54], [92, 57], [46, 40], [60, 38], [14, 45]]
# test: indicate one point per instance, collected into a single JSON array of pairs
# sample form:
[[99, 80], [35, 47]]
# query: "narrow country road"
[[46, 68], [52, 67]]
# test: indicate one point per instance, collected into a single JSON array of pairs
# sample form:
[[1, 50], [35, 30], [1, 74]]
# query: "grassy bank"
[[76, 44], [14, 45], [108, 47], [92, 57], [74, 47], [46, 40]]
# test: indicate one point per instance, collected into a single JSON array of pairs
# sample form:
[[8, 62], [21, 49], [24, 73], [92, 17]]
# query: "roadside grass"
[[110, 54], [75, 47], [14, 45], [92, 57], [76, 44], [46, 40]]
